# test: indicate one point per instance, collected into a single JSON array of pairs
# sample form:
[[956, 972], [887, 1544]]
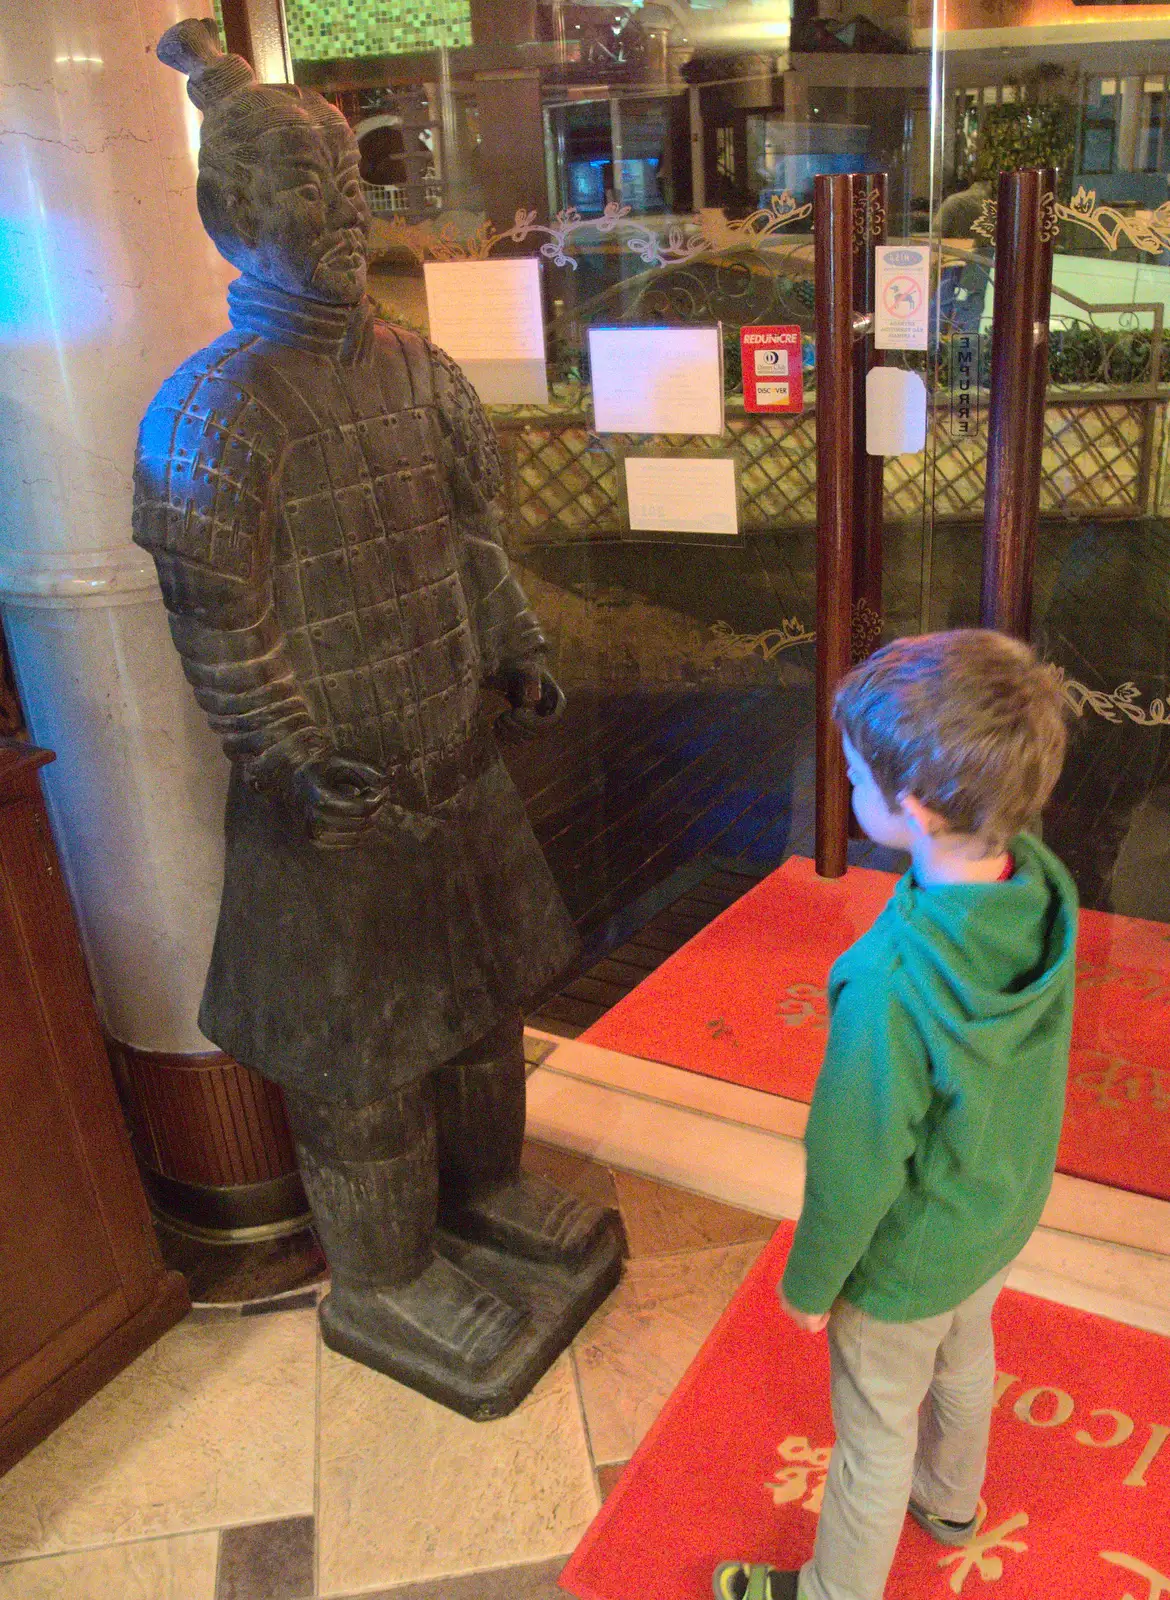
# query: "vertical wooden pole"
[[836, 432], [255, 30], [1025, 229], [869, 229]]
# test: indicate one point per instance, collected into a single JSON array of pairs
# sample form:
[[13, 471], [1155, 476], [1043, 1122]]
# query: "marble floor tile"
[[408, 1490], [267, 1561], [213, 1425], [736, 1163], [588, 1180], [531, 1581], [638, 1345], [661, 1220], [653, 1080], [180, 1568], [608, 1476]]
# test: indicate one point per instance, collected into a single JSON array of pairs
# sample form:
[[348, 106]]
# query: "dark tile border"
[[531, 1581], [267, 1561]]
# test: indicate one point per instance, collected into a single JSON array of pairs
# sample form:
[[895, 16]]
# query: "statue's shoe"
[[443, 1313], [528, 1216]]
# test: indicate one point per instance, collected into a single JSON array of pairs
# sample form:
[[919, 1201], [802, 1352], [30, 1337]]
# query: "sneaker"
[[954, 1533], [743, 1580]]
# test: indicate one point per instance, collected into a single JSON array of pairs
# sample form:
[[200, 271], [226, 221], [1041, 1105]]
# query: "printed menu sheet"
[[671, 494], [657, 380], [487, 316]]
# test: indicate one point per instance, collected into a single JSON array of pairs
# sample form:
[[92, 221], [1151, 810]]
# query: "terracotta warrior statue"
[[318, 491]]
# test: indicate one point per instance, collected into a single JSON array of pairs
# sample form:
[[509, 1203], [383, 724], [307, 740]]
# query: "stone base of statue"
[[552, 1303]]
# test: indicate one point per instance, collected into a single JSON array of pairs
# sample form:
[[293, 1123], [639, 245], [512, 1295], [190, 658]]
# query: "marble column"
[[109, 282]]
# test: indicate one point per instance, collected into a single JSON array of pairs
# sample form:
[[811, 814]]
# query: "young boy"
[[933, 1130]]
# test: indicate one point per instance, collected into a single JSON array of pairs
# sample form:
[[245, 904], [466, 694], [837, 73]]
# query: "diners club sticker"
[[773, 374]]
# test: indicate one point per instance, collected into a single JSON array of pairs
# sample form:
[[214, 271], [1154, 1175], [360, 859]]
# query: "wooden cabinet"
[[82, 1286]]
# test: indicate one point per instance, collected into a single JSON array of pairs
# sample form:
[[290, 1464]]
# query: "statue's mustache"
[[349, 247]]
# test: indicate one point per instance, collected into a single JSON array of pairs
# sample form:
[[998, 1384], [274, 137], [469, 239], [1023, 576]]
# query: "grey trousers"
[[912, 1412]]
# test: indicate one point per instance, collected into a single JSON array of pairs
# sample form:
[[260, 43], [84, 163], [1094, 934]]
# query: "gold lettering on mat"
[[1122, 1428], [1158, 1437], [979, 1554], [802, 1474], [1003, 1382], [803, 1005], [1153, 983], [1025, 1407], [1120, 1084], [1158, 1581]]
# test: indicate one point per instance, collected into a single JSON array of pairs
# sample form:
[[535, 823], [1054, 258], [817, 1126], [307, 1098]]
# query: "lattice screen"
[[564, 479]]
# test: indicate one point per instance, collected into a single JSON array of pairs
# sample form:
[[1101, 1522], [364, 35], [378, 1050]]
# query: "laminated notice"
[[901, 297]]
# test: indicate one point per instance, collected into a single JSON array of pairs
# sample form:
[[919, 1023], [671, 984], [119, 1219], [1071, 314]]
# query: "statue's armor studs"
[[346, 491]]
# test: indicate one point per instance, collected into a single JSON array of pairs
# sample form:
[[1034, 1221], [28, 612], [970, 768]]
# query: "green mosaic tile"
[[322, 30]]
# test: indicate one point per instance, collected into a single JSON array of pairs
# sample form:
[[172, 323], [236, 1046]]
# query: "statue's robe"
[[316, 488]]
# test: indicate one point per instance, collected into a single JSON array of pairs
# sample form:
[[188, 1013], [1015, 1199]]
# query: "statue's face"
[[307, 219]]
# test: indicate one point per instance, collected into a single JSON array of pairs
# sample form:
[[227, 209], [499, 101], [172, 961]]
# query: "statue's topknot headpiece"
[[192, 47]]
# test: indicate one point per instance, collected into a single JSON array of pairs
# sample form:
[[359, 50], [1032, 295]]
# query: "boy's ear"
[[923, 818]]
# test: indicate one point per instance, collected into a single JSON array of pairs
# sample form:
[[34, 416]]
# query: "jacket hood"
[[987, 954]]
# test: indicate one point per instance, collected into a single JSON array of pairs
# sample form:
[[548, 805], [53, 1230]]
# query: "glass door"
[[1083, 88], [659, 160]]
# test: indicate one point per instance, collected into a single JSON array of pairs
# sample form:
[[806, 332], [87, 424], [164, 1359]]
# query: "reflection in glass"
[[660, 158], [1082, 88]]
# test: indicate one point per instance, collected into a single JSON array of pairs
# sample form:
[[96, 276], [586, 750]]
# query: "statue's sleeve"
[[205, 488], [505, 623]]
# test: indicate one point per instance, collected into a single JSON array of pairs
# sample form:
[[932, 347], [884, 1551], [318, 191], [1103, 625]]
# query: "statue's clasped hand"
[[337, 798], [536, 700]]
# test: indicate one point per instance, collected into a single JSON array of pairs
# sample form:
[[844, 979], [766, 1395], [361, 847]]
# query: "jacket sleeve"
[[208, 462], [873, 1091], [506, 627]]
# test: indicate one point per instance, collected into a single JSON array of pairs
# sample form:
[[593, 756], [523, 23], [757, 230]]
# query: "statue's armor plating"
[[312, 496], [316, 488]]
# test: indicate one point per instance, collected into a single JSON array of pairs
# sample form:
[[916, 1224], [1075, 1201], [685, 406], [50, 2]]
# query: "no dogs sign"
[[773, 373], [902, 297]]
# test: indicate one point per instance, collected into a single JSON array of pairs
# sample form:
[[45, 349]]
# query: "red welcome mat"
[[744, 1000], [1076, 1498]]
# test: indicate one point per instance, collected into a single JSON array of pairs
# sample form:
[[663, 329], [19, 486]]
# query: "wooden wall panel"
[[82, 1285]]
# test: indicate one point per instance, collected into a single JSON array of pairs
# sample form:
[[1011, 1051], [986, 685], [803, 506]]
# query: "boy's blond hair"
[[968, 722]]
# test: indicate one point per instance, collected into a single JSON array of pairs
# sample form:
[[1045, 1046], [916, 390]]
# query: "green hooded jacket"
[[932, 1135]]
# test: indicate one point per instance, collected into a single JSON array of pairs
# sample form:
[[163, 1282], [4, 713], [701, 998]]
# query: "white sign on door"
[[901, 297]]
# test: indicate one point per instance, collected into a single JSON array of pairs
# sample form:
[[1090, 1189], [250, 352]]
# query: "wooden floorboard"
[[589, 997], [637, 955], [656, 811], [562, 1008], [596, 991], [623, 973], [595, 758], [688, 830], [675, 825], [672, 745]]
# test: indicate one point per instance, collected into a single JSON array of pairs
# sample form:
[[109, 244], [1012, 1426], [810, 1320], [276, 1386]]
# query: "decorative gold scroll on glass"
[[1149, 231], [681, 241]]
